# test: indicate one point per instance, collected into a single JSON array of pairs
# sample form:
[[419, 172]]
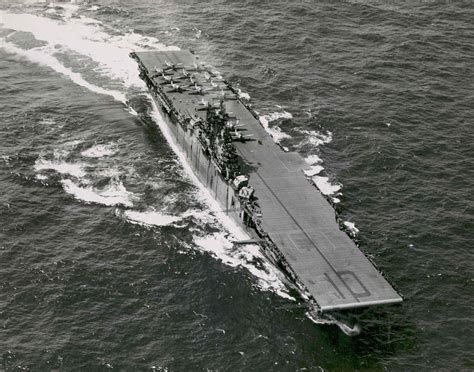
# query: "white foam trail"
[[150, 218], [85, 36], [43, 57], [99, 151], [76, 170], [114, 194], [245, 256], [275, 131], [326, 187]]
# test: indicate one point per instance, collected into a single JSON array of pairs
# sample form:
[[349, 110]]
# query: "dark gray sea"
[[113, 258]]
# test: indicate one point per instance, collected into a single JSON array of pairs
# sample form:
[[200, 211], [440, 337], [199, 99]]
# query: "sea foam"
[[150, 218], [43, 56], [113, 194], [87, 38], [353, 230], [73, 169], [221, 247], [99, 151], [275, 131], [314, 137], [326, 187]]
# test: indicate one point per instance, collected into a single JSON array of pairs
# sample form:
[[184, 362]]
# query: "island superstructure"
[[258, 184]]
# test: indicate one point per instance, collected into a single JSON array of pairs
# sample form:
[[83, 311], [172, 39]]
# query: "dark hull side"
[[208, 174], [203, 167]]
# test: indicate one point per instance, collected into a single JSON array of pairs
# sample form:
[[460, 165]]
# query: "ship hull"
[[292, 222], [221, 191], [202, 166]]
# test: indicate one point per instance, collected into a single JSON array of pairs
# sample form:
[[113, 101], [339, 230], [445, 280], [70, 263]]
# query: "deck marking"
[[305, 233], [334, 285]]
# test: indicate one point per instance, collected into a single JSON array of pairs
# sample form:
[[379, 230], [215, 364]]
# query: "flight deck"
[[295, 215]]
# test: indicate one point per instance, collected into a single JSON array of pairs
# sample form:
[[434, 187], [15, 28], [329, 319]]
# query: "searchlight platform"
[[259, 185]]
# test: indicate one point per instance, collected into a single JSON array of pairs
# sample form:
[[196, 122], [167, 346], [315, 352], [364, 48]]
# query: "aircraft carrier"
[[258, 184]]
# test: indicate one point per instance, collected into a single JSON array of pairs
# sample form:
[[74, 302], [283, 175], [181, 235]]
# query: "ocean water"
[[112, 257]]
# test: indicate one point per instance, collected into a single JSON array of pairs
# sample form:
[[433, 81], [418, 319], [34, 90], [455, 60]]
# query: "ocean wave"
[[154, 218], [69, 145], [43, 56], [114, 193], [314, 137], [86, 37], [47, 121], [67, 10], [275, 131], [109, 9], [273, 116], [72, 169], [277, 134], [101, 150], [150, 218], [220, 246], [82, 36], [111, 172]]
